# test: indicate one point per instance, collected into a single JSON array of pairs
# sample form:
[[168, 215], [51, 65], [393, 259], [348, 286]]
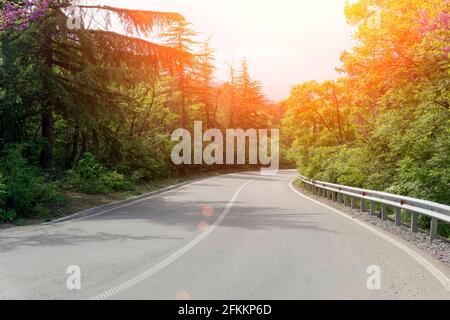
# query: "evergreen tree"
[[74, 64], [205, 75], [180, 35]]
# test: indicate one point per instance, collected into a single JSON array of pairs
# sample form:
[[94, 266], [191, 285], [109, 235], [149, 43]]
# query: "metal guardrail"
[[368, 200]]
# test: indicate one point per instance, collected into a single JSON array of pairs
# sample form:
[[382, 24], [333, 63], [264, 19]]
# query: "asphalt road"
[[240, 236]]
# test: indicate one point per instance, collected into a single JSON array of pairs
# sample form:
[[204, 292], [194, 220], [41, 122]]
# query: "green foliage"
[[147, 158], [3, 215], [89, 176], [341, 165], [27, 192], [7, 216], [100, 106], [424, 156], [384, 126]]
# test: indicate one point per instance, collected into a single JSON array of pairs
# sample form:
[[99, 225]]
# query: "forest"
[[88, 102], [384, 124]]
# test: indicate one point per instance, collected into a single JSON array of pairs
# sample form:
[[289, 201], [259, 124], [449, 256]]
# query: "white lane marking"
[[183, 186], [434, 271], [161, 265], [158, 193], [56, 223]]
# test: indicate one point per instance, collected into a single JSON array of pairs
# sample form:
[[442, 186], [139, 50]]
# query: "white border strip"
[[435, 272], [115, 206], [172, 258]]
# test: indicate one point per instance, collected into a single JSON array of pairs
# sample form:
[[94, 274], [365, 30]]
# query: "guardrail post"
[[369, 198], [398, 216], [372, 208], [383, 212], [414, 217], [433, 228]]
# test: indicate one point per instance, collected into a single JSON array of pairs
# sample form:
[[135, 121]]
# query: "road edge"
[[117, 204], [103, 209], [440, 276]]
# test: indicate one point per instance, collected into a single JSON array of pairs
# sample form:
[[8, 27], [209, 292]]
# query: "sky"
[[286, 42]]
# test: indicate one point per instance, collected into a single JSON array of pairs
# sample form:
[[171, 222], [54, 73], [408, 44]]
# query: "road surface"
[[239, 236]]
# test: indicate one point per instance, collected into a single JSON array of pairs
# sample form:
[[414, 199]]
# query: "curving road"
[[239, 236]]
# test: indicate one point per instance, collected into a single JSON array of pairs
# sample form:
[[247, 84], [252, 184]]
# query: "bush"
[[7, 216], [26, 192], [115, 181], [89, 176], [343, 164], [146, 158], [3, 216]]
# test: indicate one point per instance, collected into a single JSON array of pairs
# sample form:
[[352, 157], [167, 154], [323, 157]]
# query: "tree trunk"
[[46, 158], [183, 110], [95, 140], [73, 154], [207, 115], [84, 142]]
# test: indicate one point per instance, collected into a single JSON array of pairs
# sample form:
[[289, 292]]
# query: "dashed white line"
[[161, 265], [102, 212]]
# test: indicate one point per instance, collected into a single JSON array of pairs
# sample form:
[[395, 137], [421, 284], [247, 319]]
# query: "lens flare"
[[183, 295], [207, 212], [202, 226]]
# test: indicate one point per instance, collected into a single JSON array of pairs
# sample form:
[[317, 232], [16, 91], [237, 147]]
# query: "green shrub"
[[3, 214], [342, 164], [115, 181], [27, 193], [86, 175], [7, 216], [146, 159], [138, 176], [89, 176]]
